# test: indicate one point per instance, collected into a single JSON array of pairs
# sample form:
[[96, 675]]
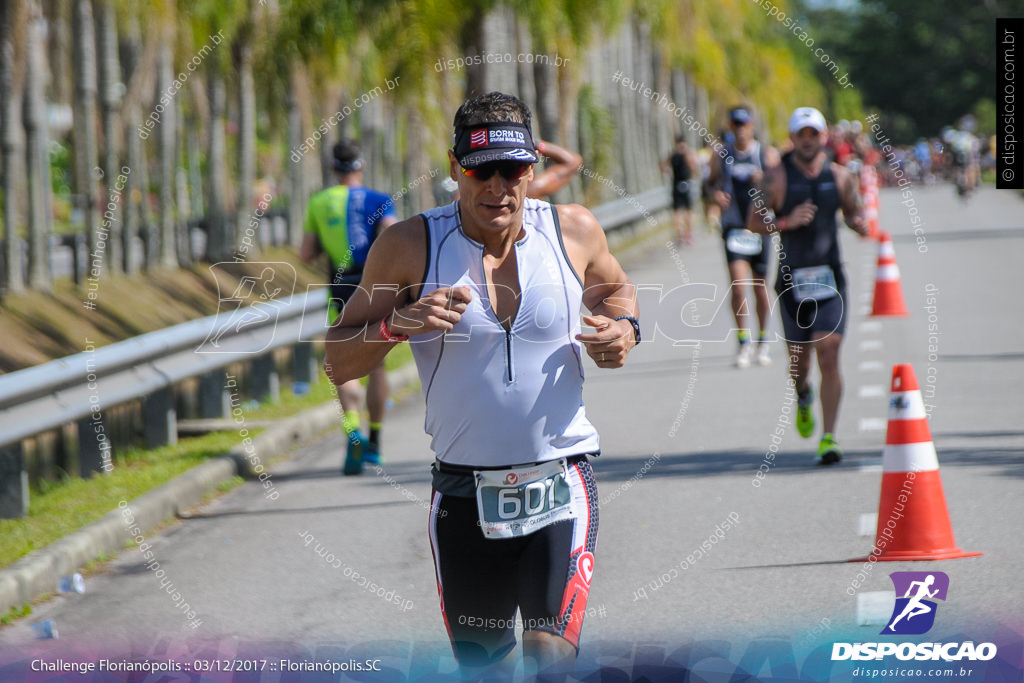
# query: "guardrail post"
[[159, 418], [93, 447], [214, 397], [304, 365], [265, 382], [13, 482]]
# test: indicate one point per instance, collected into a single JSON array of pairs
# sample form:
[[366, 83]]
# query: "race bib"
[[817, 283], [741, 241], [518, 501]]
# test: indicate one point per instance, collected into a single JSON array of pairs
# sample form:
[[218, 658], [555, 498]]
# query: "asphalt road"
[[683, 434]]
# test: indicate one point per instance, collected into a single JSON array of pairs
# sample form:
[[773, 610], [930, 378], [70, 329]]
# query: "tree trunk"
[[37, 155], [568, 132], [545, 78], [499, 29], [197, 205], [134, 188], [373, 121], [681, 96], [110, 84], [59, 43], [525, 89], [13, 17], [147, 227], [297, 169], [218, 229], [246, 143], [168, 129], [85, 118], [183, 234], [471, 43]]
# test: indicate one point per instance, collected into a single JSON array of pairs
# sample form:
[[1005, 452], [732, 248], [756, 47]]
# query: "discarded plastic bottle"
[[45, 629], [71, 584]]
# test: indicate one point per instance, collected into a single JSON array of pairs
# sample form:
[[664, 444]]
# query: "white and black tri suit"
[[497, 399]]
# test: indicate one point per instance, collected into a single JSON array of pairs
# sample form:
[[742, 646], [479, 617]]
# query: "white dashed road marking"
[[874, 607]]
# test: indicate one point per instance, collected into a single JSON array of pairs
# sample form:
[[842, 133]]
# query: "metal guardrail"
[[622, 212], [44, 397]]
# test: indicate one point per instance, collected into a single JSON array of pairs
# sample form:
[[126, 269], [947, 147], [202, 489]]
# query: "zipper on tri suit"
[[510, 377]]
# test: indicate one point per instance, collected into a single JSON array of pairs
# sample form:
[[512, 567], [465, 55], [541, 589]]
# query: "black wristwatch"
[[635, 323]]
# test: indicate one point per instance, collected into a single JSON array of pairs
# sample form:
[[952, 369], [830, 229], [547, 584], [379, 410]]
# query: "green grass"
[[15, 613], [73, 503], [62, 507]]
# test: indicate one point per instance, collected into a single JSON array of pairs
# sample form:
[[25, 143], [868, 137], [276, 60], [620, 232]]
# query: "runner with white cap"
[[805, 192]]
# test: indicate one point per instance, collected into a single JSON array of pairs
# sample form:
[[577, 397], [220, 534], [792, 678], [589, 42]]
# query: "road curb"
[[37, 573]]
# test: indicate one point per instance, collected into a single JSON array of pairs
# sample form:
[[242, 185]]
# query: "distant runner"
[[805, 192], [685, 169], [343, 221], [746, 253]]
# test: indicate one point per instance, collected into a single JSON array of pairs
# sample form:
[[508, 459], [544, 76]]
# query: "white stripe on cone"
[[888, 272], [907, 405], [910, 457]]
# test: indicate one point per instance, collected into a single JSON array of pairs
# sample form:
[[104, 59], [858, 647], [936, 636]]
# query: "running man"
[[746, 253], [343, 221], [914, 606], [683, 165], [805, 191], [488, 290]]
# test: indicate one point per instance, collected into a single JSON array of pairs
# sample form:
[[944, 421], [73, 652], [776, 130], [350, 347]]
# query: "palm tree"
[[85, 116], [218, 232], [243, 59], [296, 180], [110, 97], [215, 24], [168, 257], [13, 22], [37, 153]]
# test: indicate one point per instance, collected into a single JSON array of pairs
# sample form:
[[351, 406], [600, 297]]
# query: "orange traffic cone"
[[888, 291], [869, 190], [871, 214], [913, 521]]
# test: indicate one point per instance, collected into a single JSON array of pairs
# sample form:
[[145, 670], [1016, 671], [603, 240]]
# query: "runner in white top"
[[489, 289], [547, 420]]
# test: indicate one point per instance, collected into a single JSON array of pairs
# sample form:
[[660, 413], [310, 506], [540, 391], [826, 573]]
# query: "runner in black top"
[[805, 192], [746, 253], [683, 165]]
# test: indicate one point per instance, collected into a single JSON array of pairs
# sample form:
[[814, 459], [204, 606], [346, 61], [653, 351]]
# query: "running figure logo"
[[255, 302], [914, 613]]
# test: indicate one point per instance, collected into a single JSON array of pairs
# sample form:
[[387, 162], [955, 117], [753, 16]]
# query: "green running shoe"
[[805, 414], [829, 452], [354, 458]]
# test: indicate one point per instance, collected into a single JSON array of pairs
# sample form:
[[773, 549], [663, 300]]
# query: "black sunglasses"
[[509, 170]]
